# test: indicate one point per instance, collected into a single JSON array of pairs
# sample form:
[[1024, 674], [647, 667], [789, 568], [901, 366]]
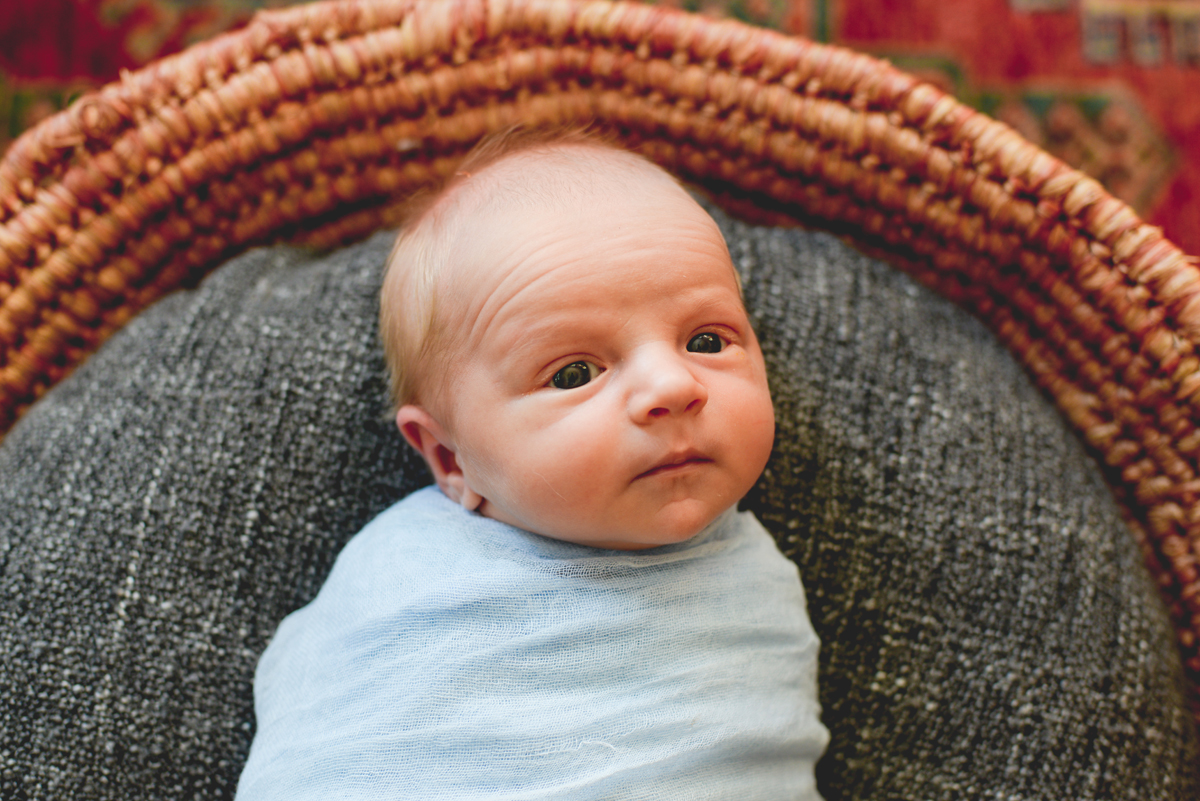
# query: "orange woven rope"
[[314, 124]]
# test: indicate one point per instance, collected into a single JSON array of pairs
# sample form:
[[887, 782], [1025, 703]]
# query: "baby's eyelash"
[[726, 333]]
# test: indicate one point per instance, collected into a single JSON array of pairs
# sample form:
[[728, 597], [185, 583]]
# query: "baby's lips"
[[674, 461]]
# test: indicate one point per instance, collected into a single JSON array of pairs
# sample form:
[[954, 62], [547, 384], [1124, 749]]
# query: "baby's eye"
[[707, 342], [575, 374]]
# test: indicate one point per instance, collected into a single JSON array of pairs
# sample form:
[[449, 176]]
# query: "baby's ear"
[[430, 440]]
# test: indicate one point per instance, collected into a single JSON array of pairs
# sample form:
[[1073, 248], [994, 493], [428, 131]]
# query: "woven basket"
[[313, 124]]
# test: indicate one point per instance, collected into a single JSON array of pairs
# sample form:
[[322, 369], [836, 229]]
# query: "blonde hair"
[[412, 330]]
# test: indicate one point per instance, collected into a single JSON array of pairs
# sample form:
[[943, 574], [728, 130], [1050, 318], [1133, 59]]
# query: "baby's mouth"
[[675, 463]]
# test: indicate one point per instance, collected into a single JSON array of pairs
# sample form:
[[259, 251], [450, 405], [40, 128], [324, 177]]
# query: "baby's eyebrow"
[[712, 303], [539, 339]]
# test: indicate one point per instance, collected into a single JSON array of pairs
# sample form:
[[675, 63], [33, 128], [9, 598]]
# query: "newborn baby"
[[577, 609]]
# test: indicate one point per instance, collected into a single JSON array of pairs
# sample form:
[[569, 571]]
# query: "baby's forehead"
[[546, 207]]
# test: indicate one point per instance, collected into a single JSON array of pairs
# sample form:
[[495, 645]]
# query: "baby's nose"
[[665, 386]]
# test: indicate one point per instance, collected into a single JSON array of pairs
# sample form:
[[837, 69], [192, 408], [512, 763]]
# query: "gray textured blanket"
[[988, 630]]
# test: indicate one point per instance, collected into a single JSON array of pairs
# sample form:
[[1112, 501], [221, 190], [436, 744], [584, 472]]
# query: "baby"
[[577, 610]]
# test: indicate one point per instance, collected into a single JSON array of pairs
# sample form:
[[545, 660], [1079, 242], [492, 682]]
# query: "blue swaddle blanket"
[[449, 656]]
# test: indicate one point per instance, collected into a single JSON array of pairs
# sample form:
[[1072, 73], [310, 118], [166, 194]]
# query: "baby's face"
[[609, 390]]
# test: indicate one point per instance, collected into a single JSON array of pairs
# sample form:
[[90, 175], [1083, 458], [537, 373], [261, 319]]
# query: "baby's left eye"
[[707, 342]]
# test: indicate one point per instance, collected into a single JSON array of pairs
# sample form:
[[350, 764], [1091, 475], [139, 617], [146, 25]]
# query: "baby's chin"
[[673, 524]]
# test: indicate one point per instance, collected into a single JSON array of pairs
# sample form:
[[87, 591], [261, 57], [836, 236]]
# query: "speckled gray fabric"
[[988, 629]]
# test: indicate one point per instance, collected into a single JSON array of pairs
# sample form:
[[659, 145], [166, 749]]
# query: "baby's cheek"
[[759, 433], [572, 478]]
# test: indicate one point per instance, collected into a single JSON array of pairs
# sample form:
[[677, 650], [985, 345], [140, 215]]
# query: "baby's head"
[[569, 349]]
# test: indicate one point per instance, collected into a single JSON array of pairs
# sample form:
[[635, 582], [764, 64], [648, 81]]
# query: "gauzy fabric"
[[452, 656]]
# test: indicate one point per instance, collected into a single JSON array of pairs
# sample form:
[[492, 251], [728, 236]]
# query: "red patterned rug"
[[1110, 86]]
